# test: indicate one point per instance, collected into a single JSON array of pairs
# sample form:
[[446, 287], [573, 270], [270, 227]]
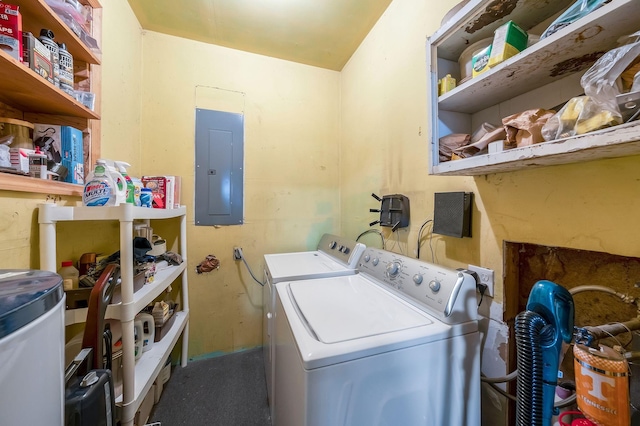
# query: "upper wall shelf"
[[548, 60], [36, 14], [529, 80], [22, 88]]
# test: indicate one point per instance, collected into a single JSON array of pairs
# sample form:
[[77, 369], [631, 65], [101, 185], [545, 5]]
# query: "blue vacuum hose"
[[541, 331]]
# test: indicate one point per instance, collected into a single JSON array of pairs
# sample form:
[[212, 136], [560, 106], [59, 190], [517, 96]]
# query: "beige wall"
[[291, 114]]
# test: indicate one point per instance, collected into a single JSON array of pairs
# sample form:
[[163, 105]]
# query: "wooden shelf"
[[613, 142], [548, 60], [9, 182], [530, 79], [36, 14], [23, 89]]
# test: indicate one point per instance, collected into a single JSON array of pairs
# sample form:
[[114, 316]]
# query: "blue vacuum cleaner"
[[541, 331]]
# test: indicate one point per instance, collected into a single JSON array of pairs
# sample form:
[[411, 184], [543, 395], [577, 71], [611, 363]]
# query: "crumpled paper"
[[208, 264], [525, 128]]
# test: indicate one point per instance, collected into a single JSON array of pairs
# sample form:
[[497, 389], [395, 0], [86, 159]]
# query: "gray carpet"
[[228, 390]]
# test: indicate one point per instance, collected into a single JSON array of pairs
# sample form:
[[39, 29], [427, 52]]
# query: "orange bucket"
[[602, 385]]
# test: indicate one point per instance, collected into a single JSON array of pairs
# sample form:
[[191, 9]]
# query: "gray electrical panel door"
[[219, 162]]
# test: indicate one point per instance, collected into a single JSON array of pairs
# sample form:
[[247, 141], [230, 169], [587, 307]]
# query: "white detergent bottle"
[[100, 189], [130, 187], [118, 179]]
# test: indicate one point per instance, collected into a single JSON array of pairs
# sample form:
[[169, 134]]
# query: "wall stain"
[[494, 11], [575, 64]]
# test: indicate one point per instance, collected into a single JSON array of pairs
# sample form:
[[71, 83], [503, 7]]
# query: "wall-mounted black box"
[[452, 213], [394, 211]]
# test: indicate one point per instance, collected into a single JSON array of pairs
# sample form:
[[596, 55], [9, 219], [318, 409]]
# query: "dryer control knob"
[[434, 285], [417, 279], [367, 258], [375, 261], [332, 245], [393, 269]]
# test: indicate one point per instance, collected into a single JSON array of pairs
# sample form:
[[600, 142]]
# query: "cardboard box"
[[62, 145], [508, 40], [36, 56], [11, 30], [480, 61], [143, 413], [165, 189]]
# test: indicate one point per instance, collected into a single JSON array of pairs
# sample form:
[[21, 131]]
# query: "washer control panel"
[[444, 292], [341, 249]]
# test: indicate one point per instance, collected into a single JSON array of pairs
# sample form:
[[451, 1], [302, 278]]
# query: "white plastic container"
[[100, 189], [70, 275], [148, 330], [138, 339], [31, 348], [467, 56]]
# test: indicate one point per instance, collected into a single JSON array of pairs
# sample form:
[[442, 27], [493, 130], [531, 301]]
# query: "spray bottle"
[[100, 189], [131, 189]]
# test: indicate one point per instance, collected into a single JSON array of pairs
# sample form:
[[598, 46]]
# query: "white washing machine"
[[395, 344], [335, 256]]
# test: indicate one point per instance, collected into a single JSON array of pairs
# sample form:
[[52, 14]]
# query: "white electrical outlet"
[[486, 277]]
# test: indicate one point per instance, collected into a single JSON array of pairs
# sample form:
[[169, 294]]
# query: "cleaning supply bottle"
[[70, 275], [137, 184], [131, 189], [118, 180], [100, 189]]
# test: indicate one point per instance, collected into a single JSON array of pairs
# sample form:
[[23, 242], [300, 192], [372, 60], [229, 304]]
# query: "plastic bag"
[[578, 116], [576, 11], [599, 82]]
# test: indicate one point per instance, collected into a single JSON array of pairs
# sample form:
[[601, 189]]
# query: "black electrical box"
[[394, 211], [452, 214]]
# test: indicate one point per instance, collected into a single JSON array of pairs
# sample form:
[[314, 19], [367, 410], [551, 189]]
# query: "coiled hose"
[[532, 332]]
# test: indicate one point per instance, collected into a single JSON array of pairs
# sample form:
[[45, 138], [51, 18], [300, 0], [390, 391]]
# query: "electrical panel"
[[394, 211]]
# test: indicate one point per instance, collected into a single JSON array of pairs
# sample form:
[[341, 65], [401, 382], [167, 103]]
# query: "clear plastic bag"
[[600, 81], [576, 11], [578, 116]]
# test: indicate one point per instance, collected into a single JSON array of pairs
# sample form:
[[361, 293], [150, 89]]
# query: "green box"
[[508, 40]]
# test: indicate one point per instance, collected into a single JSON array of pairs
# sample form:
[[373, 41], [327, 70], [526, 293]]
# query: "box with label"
[[11, 30], [36, 56], [158, 186], [62, 145], [508, 40], [165, 189], [480, 61]]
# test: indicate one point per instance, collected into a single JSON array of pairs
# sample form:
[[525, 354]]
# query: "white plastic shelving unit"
[[138, 376], [542, 76]]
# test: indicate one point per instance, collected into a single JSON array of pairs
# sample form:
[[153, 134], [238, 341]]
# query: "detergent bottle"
[[131, 189], [118, 179], [100, 189]]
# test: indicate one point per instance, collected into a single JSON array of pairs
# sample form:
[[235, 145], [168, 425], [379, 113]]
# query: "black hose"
[[531, 332]]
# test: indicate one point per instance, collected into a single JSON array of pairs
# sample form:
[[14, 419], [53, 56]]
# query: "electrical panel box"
[[219, 192], [394, 211], [452, 214]]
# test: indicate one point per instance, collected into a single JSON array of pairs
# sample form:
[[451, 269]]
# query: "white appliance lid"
[[346, 309], [287, 266], [25, 295]]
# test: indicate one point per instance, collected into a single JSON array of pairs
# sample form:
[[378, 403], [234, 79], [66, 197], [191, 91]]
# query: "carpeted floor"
[[228, 390]]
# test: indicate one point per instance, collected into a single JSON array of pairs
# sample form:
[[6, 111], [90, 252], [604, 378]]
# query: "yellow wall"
[[384, 149], [291, 173]]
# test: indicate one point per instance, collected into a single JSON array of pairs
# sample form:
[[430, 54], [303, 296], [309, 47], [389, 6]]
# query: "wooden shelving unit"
[[25, 95], [531, 79]]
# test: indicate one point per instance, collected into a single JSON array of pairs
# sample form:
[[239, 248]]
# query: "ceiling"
[[322, 33]]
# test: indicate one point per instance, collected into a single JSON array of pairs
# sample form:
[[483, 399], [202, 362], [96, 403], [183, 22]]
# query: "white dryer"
[[335, 256], [395, 344]]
